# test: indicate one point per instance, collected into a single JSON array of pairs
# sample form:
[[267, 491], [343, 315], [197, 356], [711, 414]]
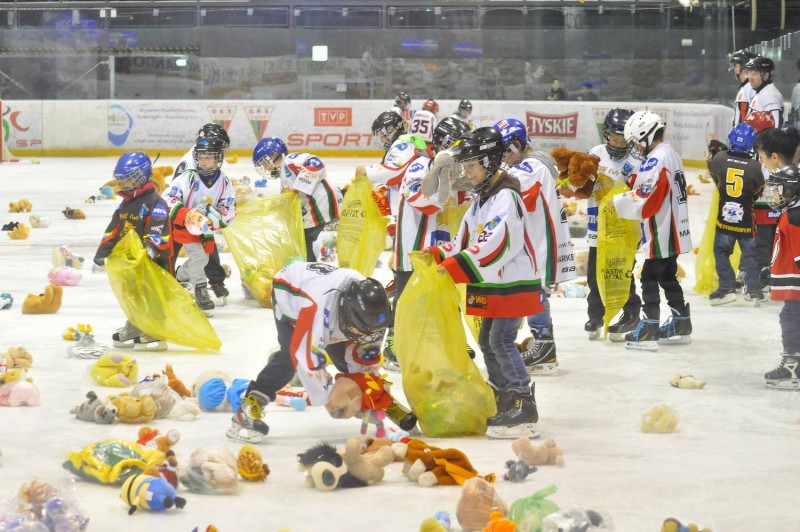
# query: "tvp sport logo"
[[333, 117]]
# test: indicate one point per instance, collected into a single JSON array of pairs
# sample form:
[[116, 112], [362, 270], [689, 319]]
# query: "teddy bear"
[[673, 525], [478, 500], [23, 205], [95, 409], [164, 397], [135, 409], [18, 357], [366, 468], [324, 468], [215, 392], [73, 214], [251, 465], [660, 419], [18, 389], [114, 369], [518, 470], [160, 176], [428, 465], [686, 381], [20, 232], [212, 470], [577, 172], [47, 303], [548, 453], [372, 446]]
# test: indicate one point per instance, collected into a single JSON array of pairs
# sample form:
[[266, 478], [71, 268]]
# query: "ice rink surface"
[[731, 466]]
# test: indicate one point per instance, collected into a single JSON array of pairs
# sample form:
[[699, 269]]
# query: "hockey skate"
[[125, 336], [594, 327], [87, 348], [755, 297], [201, 297], [145, 342], [677, 330], [787, 375], [625, 324], [220, 292], [540, 356], [722, 296], [389, 361], [246, 424], [645, 337], [517, 419]]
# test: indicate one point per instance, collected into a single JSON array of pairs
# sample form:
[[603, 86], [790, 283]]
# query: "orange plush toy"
[[577, 172], [428, 465]]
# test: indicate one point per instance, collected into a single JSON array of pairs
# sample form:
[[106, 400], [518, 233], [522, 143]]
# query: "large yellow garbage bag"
[[153, 300], [705, 270], [442, 384], [361, 234], [617, 242], [266, 234]]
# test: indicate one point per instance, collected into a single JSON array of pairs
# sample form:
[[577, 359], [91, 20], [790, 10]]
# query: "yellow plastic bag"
[[362, 229], [266, 234], [153, 300], [617, 242], [443, 386], [112, 461], [705, 267]]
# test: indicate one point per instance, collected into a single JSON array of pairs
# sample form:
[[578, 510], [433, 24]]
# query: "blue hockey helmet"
[[267, 155], [512, 129], [741, 138], [132, 171]]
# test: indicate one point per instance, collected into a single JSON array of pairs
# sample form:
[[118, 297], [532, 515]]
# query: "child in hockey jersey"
[[658, 198], [304, 174], [493, 253], [783, 193], [320, 311], [200, 202], [145, 212]]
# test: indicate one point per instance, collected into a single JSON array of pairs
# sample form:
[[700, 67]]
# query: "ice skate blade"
[[127, 344], [675, 340], [617, 337], [649, 345], [527, 430], [390, 366], [729, 298], [786, 385], [208, 313], [540, 370], [594, 335], [244, 435], [157, 345]]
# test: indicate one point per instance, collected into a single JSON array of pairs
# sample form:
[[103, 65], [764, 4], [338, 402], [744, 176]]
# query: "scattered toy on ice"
[[660, 419], [686, 381]]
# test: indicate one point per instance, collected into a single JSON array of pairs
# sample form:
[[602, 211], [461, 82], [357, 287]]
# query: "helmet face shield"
[[773, 195], [616, 146], [131, 180], [384, 137], [267, 165]]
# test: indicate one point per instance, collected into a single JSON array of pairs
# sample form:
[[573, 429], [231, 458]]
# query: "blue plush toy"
[[6, 300], [236, 393], [149, 493]]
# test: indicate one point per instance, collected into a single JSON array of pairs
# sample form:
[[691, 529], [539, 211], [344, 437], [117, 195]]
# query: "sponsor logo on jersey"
[[540, 125], [645, 189], [333, 117], [732, 212], [196, 186], [143, 210], [414, 186], [627, 168], [416, 167], [649, 164], [156, 238], [159, 212], [476, 301]]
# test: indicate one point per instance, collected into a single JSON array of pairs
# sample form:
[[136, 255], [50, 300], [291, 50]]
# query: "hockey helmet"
[[209, 147], [782, 189], [268, 154], [760, 64], [132, 171], [511, 129], [640, 131], [386, 128], [364, 311], [213, 130], [447, 131], [614, 124], [465, 105], [484, 145], [431, 105], [402, 100], [741, 138], [740, 57]]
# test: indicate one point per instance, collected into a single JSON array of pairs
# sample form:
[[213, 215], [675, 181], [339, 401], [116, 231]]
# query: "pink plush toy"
[[65, 276], [19, 393]]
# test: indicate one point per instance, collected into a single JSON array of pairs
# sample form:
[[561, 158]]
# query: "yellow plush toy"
[[114, 369], [14, 375], [22, 205], [47, 303], [135, 409], [20, 232], [660, 419], [160, 176]]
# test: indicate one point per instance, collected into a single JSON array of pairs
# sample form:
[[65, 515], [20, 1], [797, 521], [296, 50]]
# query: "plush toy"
[[175, 383], [372, 446], [73, 214], [95, 409], [577, 518], [135, 409], [21, 232], [10, 226], [164, 397], [251, 465], [63, 256], [6, 301], [498, 523], [146, 435], [660, 419], [578, 172], [207, 376], [112, 461], [165, 443], [39, 221], [47, 303], [548, 453], [160, 176], [22, 205], [428, 465], [289, 396], [438, 523], [75, 334], [211, 395], [33, 495], [116, 370], [477, 502], [184, 410], [64, 276], [169, 469], [87, 347], [673, 525], [149, 493], [686, 381], [361, 394], [324, 469], [19, 393], [368, 469], [18, 357], [211, 471], [518, 470]]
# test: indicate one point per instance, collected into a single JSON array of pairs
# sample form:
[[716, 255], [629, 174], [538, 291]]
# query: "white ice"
[[731, 465]]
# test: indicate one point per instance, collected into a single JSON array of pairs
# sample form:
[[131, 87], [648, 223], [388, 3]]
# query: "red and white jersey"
[[319, 200], [785, 279], [742, 103], [190, 190], [548, 220], [768, 98], [494, 253], [616, 170], [658, 197], [391, 171], [423, 123], [306, 294]]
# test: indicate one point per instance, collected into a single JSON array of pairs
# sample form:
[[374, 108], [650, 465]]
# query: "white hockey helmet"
[[640, 130]]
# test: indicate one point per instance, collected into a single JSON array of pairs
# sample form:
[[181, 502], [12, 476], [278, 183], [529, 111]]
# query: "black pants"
[[765, 238], [400, 281], [596, 308], [311, 236], [280, 369], [214, 271], [663, 273]]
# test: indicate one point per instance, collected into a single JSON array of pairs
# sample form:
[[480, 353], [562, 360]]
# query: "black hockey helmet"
[[402, 98], [386, 128], [364, 311], [213, 146], [614, 124], [214, 130], [741, 57], [783, 187], [485, 145], [465, 105], [760, 64], [447, 131]]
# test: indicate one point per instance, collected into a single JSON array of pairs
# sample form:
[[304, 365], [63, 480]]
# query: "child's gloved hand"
[[212, 213]]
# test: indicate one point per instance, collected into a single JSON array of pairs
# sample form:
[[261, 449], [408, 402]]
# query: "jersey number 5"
[[734, 182]]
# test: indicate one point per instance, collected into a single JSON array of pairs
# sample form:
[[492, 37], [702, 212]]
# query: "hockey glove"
[[212, 213], [437, 180], [765, 276]]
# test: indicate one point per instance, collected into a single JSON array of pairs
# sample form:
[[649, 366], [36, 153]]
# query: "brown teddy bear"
[[135, 409], [577, 172], [47, 303], [18, 357], [548, 453], [20, 232], [22, 205]]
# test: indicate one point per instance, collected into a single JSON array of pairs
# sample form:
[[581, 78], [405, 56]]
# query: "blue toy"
[[236, 393], [149, 493], [6, 300]]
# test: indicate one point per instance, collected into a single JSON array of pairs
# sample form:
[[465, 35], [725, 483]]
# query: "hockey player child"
[[739, 179], [200, 202], [746, 92], [424, 121], [493, 253], [305, 175], [658, 198], [464, 113], [214, 271], [145, 212], [783, 193], [616, 165], [402, 106], [767, 97], [550, 235], [417, 224], [319, 310]]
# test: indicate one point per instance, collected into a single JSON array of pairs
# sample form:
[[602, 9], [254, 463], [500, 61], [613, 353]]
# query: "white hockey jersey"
[[742, 103], [768, 98], [306, 294], [423, 123], [391, 171], [319, 200], [189, 190], [186, 163], [615, 170], [658, 197], [467, 121], [548, 221]]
